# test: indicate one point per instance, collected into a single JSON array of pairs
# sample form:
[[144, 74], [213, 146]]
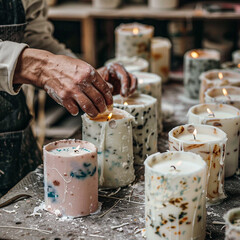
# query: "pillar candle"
[[162, 4], [70, 178], [218, 78], [227, 118], [160, 57], [236, 56], [210, 144], [144, 109], [151, 84], [106, 3], [231, 66], [133, 39], [131, 64], [112, 135], [196, 62], [232, 219], [175, 196]]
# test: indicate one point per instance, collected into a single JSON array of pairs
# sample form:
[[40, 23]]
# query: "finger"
[[134, 83], [71, 106], [110, 87], [103, 88], [96, 97], [86, 104]]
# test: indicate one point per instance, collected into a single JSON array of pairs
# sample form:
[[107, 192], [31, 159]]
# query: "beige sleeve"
[[38, 33], [9, 53]]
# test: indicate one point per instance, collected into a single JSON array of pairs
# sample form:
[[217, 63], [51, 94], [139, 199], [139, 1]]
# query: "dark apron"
[[19, 153]]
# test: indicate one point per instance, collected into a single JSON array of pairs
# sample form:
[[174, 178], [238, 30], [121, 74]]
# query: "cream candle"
[[218, 78], [175, 196], [225, 117], [231, 66], [144, 110], [70, 178], [106, 4], [236, 56], [210, 143], [231, 96], [133, 39], [162, 4], [196, 62], [160, 57], [131, 64], [151, 84], [232, 219], [111, 133]]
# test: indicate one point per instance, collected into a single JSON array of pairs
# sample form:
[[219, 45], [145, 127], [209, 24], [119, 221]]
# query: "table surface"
[[122, 210]]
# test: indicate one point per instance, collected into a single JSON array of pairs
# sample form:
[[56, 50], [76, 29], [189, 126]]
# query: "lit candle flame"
[[195, 134], [77, 149], [135, 31], [140, 81], [220, 76], [238, 65], [109, 116], [225, 93], [194, 55], [125, 103], [210, 113]]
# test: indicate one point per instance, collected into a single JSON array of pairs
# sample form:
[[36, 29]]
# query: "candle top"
[[218, 75], [146, 78], [105, 117], [135, 29], [233, 94], [69, 151], [160, 42], [203, 54]]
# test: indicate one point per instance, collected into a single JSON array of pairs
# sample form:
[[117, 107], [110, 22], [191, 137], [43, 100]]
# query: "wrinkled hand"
[[123, 82]]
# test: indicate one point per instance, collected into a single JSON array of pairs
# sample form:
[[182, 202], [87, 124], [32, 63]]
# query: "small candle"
[[151, 84], [175, 187], [230, 66], [133, 39], [131, 64], [112, 135], [70, 178], [210, 143], [160, 57], [144, 110], [227, 118], [218, 78], [163, 4], [106, 4], [236, 56], [232, 219], [196, 62]]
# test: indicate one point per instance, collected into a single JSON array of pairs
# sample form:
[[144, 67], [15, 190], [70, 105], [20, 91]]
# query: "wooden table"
[[124, 208]]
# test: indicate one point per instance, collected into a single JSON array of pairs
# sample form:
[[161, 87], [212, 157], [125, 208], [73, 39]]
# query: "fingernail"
[[74, 114]]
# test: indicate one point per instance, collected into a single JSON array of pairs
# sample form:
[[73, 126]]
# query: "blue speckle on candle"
[[82, 173], [52, 193]]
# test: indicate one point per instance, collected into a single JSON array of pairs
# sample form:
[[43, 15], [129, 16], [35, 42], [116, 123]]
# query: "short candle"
[[232, 219]]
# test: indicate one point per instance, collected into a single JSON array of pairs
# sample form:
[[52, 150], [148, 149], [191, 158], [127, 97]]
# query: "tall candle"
[[160, 57], [227, 118], [133, 39], [210, 144], [175, 196], [196, 62], [232, 219], [112, 135], [218, 78], [144, 110], [151, 84], [70, 178]]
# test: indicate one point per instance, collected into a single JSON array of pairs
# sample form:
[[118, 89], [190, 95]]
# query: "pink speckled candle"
[[70, 178]]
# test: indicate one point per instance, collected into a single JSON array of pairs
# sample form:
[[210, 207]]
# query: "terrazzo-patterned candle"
[[210, 143], [175, 196], [218, 78], [225, 95], [196, 62], [144, 109], [160, 57], [131, 64], [111, 133], [133, 39], [232, 219], [225, 117], [70, 178], [151, 84]]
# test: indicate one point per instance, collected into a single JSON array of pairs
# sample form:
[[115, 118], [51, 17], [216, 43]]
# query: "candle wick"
[[194, 137], [173, 167], [210, 115]]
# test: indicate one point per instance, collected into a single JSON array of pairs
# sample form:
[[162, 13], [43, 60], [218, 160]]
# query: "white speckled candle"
[[160, 57], [175, 196], [151, 84], [70, 178], [232, 219], [133, 39], [196, 62], [210, 144], [144, 109], [217, 78], [227, 118], [113, 138]]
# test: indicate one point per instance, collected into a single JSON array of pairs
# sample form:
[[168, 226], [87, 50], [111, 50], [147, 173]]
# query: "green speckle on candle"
[[194, 199]]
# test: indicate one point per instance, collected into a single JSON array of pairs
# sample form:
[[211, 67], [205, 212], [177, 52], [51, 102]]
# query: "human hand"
[[70, 82], [123, 82]]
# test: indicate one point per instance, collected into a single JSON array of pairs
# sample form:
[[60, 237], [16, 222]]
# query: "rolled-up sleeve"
[[9, 53]]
